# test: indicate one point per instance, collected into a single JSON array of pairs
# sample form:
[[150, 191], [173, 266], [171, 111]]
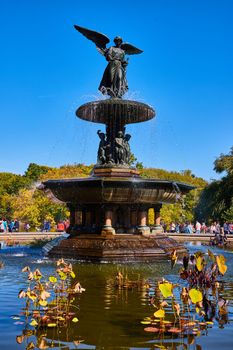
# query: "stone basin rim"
[[111, 181], [128, 111]]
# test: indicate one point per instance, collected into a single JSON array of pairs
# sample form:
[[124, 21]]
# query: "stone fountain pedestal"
[[118, 248], [109, 210]]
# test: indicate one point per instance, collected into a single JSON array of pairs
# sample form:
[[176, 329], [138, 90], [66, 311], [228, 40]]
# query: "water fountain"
[[109, 210]]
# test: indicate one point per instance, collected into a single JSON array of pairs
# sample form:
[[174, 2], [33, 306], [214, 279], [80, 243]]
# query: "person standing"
[[213, 227], [60, 226], [16, 226], [198, 227], [190, 228], [226, 228]]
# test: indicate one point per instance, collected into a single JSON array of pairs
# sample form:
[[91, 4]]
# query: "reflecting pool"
[[109, 317]]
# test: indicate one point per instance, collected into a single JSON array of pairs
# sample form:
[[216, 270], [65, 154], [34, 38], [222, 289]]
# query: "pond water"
[[109, 318]]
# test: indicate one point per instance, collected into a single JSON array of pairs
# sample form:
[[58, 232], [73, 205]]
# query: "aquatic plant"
[[49, 301], [191, 305], [123, 282]]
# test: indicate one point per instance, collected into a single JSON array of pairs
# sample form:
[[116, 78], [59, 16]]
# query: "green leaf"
[[195, 295], [166, 289]]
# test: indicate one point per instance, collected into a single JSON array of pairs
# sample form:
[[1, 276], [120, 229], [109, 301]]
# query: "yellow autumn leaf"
[[43, 302], [31, 295], [166, 289], [63, 276], [145, 322], [33, 323], [199, 263], [160, 313], [75, 319], [195, 295], [52, 279], [61, 319], [221, 264], [72, 274], [52, 325]]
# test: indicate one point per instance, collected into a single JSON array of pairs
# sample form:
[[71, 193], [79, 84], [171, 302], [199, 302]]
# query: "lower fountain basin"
[[116, 190]]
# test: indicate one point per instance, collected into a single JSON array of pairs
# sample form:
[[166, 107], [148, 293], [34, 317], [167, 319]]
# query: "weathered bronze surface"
[[114, 148], [115, 111], [114, 81], [116, 190]]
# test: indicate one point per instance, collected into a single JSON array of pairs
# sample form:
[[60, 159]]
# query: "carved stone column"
[[133, 220], [78, 216], [88, 217], [157, 228], [142, 225], [72, 218], [107, 228]]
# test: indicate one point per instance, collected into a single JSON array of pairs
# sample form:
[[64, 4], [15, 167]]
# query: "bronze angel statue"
[[114, 81]]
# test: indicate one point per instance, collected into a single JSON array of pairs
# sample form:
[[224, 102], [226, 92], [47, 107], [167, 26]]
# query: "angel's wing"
[[99, 39], [130, 49]]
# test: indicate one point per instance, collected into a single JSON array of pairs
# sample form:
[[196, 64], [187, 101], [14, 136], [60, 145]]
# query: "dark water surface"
[[109, 318]]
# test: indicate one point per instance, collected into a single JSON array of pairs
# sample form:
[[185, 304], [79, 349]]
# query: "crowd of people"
[[14, 225], [175, 227], [198, 227], [9, 225]]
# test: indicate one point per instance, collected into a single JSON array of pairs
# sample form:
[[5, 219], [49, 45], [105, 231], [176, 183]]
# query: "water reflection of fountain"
[[116, 327]]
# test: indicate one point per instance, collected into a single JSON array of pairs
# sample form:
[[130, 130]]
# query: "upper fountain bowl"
[[114, 109]]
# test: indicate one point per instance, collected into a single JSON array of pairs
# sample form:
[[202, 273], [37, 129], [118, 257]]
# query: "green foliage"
[[133, 162], [67, 172], [10, 184], [34, 171], [216, 201], [19, 198], [224, 163], [228, 214], [183, 210], [34, 207]]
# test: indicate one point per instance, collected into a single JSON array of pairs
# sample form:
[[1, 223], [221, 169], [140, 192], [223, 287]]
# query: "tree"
[[217, 198], [34, 171], [224, 163], [183, 210], [34, 207]]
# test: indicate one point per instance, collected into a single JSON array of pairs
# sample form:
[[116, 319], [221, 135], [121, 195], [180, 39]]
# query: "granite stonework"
[[118, 248]]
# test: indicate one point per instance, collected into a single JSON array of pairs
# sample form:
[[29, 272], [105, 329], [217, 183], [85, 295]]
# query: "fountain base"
[[118, 248]]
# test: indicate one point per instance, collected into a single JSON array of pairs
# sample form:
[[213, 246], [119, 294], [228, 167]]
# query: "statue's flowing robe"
[[114, 81]]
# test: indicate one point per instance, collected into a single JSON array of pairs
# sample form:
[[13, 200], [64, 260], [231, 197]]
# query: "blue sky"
[[48, 70]]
